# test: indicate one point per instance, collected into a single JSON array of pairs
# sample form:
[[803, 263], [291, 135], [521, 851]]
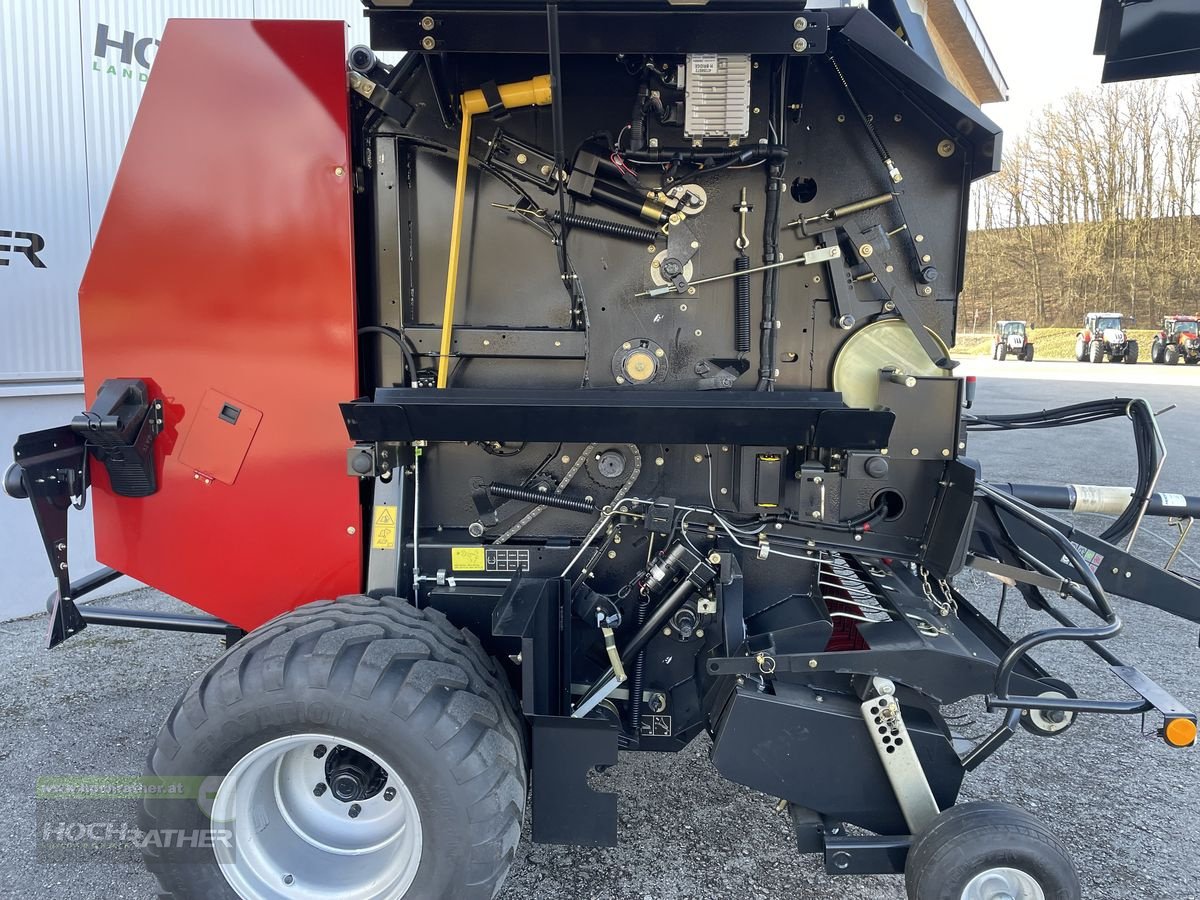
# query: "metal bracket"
[[885, 724]]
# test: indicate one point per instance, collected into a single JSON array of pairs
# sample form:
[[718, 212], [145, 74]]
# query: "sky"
[[1044, 49]]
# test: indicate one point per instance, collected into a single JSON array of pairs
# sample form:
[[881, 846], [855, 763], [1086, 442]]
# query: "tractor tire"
[[1001, 352], [1191, 360], [1081, 349], [1028, 357], [1131, 353], [359, 748], [995, 350], [1156, 352], [988, 849], [1096, 352], [1171, 355]]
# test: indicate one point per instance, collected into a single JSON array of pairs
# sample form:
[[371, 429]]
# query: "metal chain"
[[946, 606], [538, 510]]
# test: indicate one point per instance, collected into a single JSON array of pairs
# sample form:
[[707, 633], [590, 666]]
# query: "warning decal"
[[467, 559], [383, 528]]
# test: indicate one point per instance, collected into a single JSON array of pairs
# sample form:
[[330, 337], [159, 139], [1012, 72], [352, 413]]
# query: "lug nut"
[[355, 809], [320, 789], [320, 751], [389, 794]]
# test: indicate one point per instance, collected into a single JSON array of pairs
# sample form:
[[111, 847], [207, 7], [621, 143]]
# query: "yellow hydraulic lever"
[[534, 92]]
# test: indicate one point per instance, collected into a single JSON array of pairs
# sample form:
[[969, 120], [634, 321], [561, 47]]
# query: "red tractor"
[[1011, 339], [1179, 338], [1103, 334]]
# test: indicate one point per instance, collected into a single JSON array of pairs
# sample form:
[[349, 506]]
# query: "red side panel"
[[222, 275]]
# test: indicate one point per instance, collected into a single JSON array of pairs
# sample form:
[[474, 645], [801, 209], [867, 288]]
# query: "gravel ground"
[[1124, 803]]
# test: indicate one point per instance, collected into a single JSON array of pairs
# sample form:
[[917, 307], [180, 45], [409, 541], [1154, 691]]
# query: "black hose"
[[741, 305], [766, 362], [558, 501], [638, 677], [605, 226], [410, 361]]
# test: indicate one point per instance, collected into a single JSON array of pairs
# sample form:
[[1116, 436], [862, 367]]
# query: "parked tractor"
[[1179, 338], [1011, 338], [472, 444], [1103, 335]]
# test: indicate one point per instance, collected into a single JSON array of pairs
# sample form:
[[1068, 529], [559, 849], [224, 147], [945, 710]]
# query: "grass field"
[[1050, 343]]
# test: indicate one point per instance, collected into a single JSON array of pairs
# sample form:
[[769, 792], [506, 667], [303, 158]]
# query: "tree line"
[[1095, 209]]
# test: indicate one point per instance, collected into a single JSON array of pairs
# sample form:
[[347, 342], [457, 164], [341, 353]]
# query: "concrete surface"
[[1124, 803]]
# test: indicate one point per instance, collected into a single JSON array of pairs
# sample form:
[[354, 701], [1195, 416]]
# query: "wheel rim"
[[292, 838], [1003, 884]]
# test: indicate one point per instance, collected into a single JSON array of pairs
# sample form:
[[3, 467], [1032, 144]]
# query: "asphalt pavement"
[[1125, 804]]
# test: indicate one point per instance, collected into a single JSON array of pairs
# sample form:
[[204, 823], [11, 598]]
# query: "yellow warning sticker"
[[383, 528], [467, 559]]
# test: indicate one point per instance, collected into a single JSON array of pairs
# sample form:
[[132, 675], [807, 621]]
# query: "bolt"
[[927, 290], [920, 238], [651, 249], [926, 258], [339, 171], [945, 148], [683, 306], [522, 159], [658, 351], [566, 460], [816, 280], [724, 491], [486, 342], [945, 453], [320, 789], [841, 118], [801, 23], [800, 45], [558, 343], [698, 458], [667, 631], [915, 451], [816, 514], [812, 663], [320, 751], [620, 380], [699, 332], [865, 250], [653, 142], [699, 632], [428, 43], [289, 878], [658, 461], [612, 554], [897, 118], [757, 110], [546, 169], [350, 529], [691, 290], [714, 558], [695, 245], [355, 809], [427, 23], [627, 346]]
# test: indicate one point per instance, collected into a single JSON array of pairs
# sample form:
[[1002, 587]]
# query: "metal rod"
[[156, 621], [662, 612], [812, 256]]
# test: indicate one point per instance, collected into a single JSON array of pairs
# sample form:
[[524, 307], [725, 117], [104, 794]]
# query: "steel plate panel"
[[224, 263]]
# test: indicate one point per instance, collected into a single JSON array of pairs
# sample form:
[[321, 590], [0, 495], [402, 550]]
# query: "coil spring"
[[741, 306], [638, 678], [558, 501], [605, 226]]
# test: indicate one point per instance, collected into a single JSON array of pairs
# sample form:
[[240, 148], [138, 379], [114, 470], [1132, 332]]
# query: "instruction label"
[[383, 528], [507, 560], [656, 726], [467, 559]]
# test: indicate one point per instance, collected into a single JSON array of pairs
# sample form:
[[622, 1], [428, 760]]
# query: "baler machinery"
[[595, 358]]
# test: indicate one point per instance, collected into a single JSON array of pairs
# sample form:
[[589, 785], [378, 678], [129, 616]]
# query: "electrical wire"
[[402, 341]]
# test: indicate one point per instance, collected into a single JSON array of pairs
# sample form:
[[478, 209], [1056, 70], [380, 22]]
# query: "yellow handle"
[[534, 92]]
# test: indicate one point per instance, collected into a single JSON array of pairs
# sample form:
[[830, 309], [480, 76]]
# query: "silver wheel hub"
[[1003, 884], [317, 817]]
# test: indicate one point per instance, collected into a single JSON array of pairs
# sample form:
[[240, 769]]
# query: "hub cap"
[[1003, 884], [315, 816]]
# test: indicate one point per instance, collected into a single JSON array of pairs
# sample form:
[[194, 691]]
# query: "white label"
[[703, 63], [1173, 500]]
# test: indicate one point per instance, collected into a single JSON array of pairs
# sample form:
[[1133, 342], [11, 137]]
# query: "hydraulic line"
[[675, 599], [558, 501], [605, 226]]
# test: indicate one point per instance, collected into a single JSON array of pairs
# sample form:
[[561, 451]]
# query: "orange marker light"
[[1180, 732]]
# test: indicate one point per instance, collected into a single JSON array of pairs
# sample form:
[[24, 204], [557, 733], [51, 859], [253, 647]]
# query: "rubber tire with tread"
[[1028, 355], [972, 837], [405, 683], [1001, 352], [1096, 352], [1081, 349], [1131, 353], [1156, 351], [1171, 355]]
